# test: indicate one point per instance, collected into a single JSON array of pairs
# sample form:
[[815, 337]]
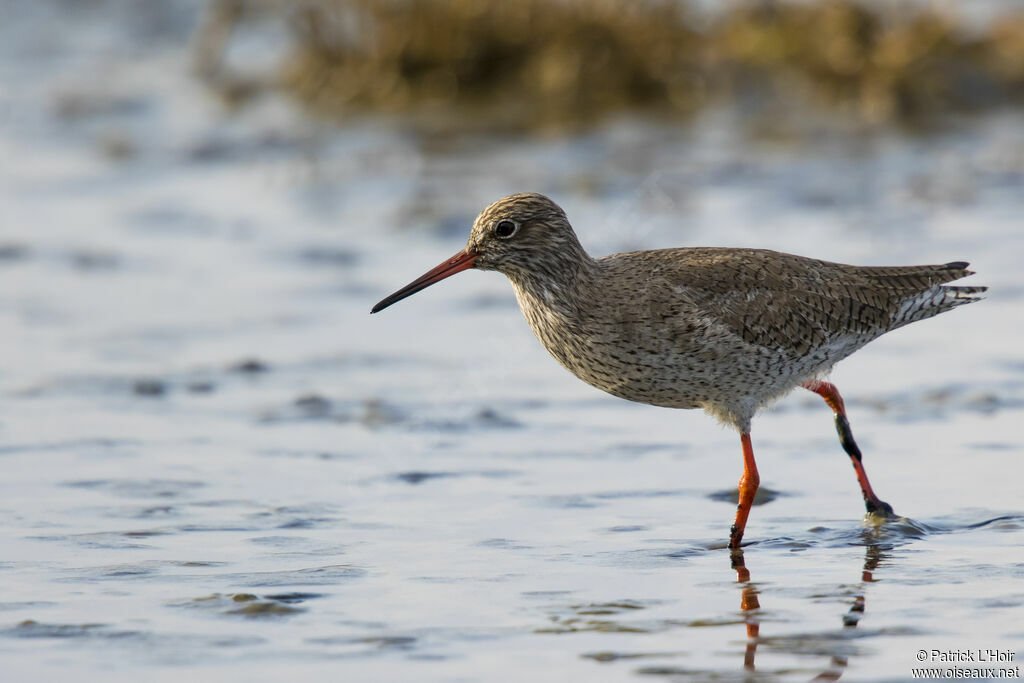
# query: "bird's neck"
[[560, 281]]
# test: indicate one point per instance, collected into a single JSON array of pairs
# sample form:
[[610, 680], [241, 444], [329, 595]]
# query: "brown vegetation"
[[542, 62]]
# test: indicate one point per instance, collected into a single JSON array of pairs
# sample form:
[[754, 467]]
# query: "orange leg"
[[830, 393], [748, 487]]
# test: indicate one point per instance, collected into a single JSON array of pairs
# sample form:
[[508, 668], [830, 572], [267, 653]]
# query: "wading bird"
[[726, 330]]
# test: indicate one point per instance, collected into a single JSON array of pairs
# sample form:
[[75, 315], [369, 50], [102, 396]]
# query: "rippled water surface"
[[217, 465]]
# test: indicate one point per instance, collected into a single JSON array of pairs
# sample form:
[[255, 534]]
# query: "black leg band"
[[846, 437]]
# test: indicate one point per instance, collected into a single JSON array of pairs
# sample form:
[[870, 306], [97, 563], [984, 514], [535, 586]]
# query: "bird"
[[727, 330]]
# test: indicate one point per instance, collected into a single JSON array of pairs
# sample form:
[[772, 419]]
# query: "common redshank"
[[726, 330]]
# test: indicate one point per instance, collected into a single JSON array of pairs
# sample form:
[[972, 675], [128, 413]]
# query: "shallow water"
[[217, 464]]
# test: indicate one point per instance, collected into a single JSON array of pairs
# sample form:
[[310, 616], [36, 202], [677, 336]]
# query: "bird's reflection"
[[750, 607]]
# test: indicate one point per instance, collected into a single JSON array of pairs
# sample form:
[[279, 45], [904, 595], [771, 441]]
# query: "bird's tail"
[[939, 298]]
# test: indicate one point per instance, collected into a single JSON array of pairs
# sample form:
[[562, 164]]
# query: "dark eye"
[[505, 229]]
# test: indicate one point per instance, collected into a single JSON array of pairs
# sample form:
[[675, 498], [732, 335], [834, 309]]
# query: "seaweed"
[[564, 63]]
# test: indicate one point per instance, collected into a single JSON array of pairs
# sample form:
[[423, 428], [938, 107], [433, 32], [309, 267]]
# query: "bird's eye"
[[505, 229]]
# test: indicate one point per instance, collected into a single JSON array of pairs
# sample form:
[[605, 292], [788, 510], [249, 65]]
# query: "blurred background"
[[216, 461]]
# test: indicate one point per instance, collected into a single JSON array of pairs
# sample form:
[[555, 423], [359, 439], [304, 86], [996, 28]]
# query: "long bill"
[[461, 261]]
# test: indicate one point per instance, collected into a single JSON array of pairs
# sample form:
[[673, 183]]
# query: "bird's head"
[[518, 235]]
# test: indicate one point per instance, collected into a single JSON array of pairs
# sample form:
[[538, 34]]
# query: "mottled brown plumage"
[[726, 330]]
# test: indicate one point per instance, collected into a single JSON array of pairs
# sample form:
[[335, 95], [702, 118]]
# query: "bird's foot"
[[879, 510]]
